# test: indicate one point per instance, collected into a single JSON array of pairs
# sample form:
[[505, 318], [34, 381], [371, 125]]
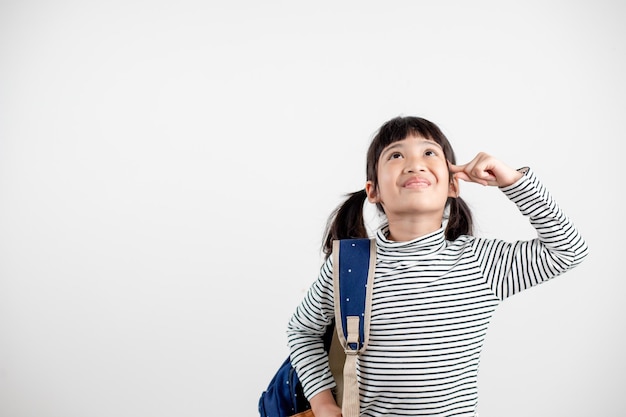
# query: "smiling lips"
[[416, 182]]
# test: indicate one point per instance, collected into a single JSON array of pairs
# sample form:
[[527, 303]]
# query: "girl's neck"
[[406, 229]]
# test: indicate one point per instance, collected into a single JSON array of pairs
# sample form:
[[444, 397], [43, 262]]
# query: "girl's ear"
[[372, 193], [453, 188]]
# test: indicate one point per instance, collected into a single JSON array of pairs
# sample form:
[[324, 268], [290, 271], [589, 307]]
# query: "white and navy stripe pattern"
[[432, 303]]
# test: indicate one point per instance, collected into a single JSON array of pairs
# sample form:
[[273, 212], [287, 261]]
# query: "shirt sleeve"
[[305, 333], [558, 247]]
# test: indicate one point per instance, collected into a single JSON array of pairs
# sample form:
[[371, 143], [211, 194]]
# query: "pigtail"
[[346, 221], [459, 219]]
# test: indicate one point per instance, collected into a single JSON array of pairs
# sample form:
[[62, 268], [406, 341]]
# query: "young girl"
[[436, 286]]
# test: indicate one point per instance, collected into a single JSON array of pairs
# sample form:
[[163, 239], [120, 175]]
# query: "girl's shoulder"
[[467, 243]]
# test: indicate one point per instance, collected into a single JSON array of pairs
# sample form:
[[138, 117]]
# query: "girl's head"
[[397, 130], [347, 220]]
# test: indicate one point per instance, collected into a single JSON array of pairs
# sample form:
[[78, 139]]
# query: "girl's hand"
[[328, 412], [323, 405], [486, 170]]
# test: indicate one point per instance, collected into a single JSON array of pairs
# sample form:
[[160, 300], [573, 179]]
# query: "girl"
[[436, 286]]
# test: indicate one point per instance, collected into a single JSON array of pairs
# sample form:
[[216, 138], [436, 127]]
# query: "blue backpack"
[[354, 261]]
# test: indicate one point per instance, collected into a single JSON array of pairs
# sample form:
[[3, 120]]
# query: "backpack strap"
[[354, 263]]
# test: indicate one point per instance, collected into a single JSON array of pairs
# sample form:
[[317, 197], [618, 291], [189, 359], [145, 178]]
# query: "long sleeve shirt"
[[432, 302]]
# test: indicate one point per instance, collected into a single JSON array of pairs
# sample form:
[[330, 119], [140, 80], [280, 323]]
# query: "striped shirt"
[[432, 303]]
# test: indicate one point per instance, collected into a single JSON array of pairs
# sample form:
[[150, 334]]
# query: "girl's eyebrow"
[[392, 147], [432, 142]]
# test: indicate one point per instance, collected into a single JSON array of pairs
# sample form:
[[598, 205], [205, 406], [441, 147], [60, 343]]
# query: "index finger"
[[456, 168]]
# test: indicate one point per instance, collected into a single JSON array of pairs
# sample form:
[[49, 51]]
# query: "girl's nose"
[[414, 165]]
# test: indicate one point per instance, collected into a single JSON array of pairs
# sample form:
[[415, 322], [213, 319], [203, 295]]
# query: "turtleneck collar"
[[423, 245]]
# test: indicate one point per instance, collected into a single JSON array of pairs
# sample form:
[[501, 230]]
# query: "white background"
[[167, 168]]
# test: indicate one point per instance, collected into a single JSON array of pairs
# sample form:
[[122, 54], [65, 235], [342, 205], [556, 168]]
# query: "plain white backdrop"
[[167, 168]]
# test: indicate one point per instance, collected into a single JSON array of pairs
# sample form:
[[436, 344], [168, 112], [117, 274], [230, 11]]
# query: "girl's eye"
[[395, 155], [430, 152]]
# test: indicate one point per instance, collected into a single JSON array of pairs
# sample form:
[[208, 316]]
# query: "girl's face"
[[413, 179]]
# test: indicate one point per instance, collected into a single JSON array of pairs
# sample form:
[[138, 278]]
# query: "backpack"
[[354, 261]]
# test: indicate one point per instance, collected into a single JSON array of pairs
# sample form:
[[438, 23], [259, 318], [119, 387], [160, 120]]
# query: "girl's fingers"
[[486, 170], [456, 168], [475, 171], [460, 172], [468, 178], [462, 176]]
